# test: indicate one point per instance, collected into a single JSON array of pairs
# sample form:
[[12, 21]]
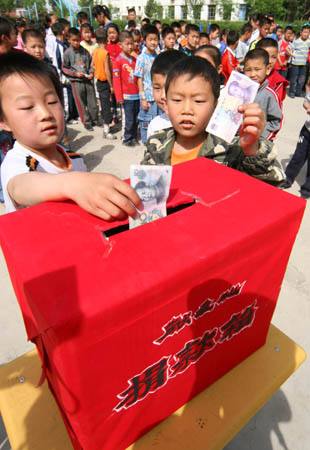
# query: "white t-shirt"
[[241, 50], [160, 122], [21, 160], [253, 37]]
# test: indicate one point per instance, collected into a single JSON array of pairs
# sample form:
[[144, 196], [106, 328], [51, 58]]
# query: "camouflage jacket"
[[264, 165]]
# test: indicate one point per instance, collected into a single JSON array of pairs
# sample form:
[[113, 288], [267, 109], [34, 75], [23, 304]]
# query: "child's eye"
[[26, 108], [54, 102]]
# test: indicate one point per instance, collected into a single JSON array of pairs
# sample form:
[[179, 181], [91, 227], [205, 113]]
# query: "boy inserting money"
[[192, 90], [36, 169]]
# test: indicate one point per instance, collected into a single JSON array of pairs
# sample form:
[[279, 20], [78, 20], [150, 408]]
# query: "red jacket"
[[124, 82], [229, 63], [279, 85]]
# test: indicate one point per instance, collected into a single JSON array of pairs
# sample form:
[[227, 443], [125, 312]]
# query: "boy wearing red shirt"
[[126, 88], [284, 52], [229, 60]]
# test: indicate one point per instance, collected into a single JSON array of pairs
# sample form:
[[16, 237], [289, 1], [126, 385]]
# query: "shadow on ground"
[[93, 159], [257, 433]]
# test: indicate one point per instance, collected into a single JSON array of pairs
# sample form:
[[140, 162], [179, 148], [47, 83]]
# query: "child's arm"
[[66, 67], [103, 195], [108, 72], [139, 72], [117, 81]]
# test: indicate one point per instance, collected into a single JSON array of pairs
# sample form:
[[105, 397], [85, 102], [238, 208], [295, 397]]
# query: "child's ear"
[[4, 125], [268, 69], [219, 69]]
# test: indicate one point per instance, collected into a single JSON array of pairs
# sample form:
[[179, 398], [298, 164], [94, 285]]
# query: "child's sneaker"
[[129, 144], [109, 136]]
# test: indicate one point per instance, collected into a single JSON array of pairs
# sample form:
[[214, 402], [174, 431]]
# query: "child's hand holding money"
[[251, 127]]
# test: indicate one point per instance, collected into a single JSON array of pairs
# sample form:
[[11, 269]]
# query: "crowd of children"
[[148, 73]]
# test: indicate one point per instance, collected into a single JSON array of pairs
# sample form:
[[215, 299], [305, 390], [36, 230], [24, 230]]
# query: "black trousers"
[[104, 92], [301, 155]]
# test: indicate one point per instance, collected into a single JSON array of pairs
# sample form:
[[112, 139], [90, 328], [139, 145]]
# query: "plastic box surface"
[[131, 327]]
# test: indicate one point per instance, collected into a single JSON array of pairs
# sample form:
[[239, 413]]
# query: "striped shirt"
[[300, 51]]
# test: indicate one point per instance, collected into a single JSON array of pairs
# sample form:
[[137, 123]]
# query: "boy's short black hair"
[[64, 22], [213, 27], [166, 31], [149, 29], [39, 26], [31, 33], [131, 23], [305, 27], [82, 15], [131, 10], [125, 35], [73, 32], [264, 21], [165, 61], [232, 37], [288, 28], [5, 27], [205, 35], [57, 28], [194, 66], [267, 43], [85, 26], [136, 32], [101, 35], [23, 64], [146, 20], [156, 22], [176, 25], [246, 28], [212, 51], [191, 27], [279, 27], [257, 53], [21, 22]]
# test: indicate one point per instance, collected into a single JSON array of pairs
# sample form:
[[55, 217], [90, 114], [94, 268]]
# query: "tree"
[[114, 11], [226, 7], [267, 7], [6, 6], [194, 8], [153, 10]]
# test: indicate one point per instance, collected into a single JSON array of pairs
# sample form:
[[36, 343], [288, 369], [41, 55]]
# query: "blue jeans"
[[131, 108], [145, 118], [297, 79]]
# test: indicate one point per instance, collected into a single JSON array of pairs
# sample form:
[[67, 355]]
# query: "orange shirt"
[[99, 57], [182, 157]]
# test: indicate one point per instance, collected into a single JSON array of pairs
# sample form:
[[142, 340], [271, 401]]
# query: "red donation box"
[[132, 324]]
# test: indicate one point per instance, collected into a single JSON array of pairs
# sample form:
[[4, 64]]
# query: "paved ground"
[[283, 422]]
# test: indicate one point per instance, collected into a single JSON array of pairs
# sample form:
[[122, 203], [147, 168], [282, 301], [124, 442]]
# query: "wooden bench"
[[207, 422]]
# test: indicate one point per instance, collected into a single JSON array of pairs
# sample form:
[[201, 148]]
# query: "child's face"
[[100, 18], [214, 34], [151, 42], [190, 105], [74, 41], [304, 34], [86, 34], [33, 111], [136, 42], [10, 40], [203, 41], [159, 27], [169, 41], [279, 33], [159, 82], [264, 30], [127, 46], [132, 16], [287, 35], [35, 47], [256, 70], [112, 35], [273, 55], [193, 40], [177, 31]]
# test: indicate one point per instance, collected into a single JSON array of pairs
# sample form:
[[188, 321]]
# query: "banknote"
[[152, 184], [226, 119]]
